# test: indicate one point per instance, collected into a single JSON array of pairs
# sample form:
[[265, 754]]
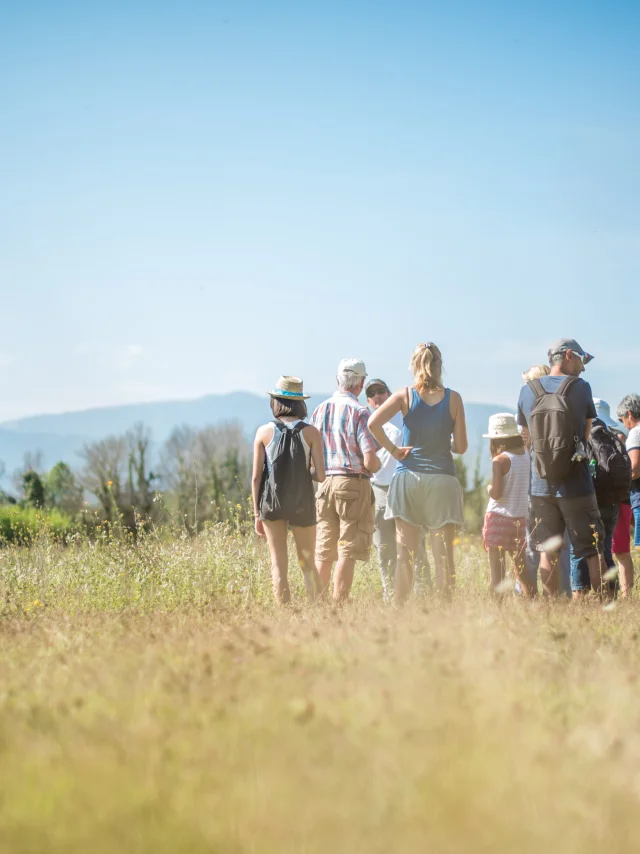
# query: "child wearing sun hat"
[[505, 521]]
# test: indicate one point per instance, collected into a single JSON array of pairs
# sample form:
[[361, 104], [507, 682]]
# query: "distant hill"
[[61, 436]]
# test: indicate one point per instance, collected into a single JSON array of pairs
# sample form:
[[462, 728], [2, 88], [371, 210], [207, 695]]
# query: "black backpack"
[[286, 490], [551, 427], [612, 465]]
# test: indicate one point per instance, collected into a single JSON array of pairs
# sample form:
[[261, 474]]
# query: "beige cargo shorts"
[[346, 518]]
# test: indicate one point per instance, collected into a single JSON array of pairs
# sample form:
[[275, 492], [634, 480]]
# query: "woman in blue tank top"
[[425, 491]]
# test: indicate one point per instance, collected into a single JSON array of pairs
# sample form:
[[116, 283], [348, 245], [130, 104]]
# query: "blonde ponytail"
[[426, 364]]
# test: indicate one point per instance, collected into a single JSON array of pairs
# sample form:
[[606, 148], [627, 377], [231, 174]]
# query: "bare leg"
[[324, 571], [344, 578], [625, 567], [497, 567], [407, 541], [276, 533], [442, 546], [549, 572], [520, 572], [306, 545]]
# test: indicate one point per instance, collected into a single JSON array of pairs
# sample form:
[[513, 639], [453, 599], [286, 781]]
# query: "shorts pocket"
[[347, 504]]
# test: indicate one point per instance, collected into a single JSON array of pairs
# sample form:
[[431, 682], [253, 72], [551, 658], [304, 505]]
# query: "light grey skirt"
[[425, 500]]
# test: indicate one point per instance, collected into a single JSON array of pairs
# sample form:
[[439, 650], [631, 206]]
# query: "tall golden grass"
[[153, 699]]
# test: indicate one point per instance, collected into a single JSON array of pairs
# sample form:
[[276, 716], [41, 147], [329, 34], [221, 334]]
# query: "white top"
[[514, 500], [633, 439], [388, 464], [271, 447]]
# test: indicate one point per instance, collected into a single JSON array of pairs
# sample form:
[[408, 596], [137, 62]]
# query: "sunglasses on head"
[[376, 390]]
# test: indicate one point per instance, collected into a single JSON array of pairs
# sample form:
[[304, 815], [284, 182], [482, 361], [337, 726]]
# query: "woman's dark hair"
[[284, 406], [511, 443]]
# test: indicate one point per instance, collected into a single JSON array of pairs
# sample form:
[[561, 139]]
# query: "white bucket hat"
[[603, 412], [502, 425]]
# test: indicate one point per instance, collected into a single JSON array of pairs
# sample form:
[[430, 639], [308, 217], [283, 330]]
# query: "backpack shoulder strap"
[[537, 388], [565, 386], [279, 425], [299, 427]]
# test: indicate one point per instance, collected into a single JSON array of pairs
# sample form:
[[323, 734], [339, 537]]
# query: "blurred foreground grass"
[[153, 700]]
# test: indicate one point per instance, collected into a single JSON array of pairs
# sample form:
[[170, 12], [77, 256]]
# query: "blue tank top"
[[428, 429]]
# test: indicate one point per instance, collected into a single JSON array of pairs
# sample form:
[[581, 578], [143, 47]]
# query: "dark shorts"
[[548, 517]]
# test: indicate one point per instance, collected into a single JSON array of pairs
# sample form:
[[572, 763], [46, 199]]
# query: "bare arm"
[[634, 456], [313, 437], [380, 417], [499, 468], [256, 476], [459, 443], [371, 461], [526, 438]]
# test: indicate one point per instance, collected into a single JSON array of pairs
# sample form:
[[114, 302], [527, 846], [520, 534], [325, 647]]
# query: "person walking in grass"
[[287, 457], [425, 491], [555, 413], [505, 521], [345, 501]]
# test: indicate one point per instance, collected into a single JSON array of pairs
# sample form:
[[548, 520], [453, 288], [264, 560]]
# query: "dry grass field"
[[152, 699]]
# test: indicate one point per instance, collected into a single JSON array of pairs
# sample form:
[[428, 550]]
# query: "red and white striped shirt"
[[344, 424]]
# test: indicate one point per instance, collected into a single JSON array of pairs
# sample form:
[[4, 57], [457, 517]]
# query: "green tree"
[[63, 490], [33, 489]]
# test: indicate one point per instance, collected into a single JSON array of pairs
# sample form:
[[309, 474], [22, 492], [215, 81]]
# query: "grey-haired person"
[[289, 410], [345, 501]]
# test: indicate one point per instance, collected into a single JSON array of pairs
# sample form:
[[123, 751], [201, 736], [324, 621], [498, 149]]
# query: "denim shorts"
[[579, 570], [636, 526], [549, 516]]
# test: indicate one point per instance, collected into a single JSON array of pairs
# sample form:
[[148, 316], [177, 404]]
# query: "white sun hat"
[[502, 425], [603, 412]]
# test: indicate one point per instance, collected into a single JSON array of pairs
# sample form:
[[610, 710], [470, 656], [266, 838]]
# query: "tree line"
[[197, 476]]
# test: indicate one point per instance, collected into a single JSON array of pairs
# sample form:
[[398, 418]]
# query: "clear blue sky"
[[199, 196]]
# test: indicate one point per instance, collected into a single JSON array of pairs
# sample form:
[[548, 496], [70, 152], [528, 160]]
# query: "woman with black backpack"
[[287, 458]]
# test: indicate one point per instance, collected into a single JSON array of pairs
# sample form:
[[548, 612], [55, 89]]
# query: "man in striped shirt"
[[345, 507]]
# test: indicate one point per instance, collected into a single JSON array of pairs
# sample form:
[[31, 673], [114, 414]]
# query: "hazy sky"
[[199, 196]]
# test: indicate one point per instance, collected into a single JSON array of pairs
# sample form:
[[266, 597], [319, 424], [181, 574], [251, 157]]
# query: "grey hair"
[[556, 358], [348, 380], [629, 403]]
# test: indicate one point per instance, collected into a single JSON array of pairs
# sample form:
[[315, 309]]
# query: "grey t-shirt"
[[580, 400]]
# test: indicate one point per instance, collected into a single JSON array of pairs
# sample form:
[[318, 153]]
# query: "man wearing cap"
[[384, 536], [571, 502], [344, 502]]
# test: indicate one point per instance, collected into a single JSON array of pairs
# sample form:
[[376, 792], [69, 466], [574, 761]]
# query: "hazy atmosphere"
[[250, 600], [183, 182]]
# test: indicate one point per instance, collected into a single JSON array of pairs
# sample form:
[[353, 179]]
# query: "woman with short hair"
[[292, 450], [425, 491]]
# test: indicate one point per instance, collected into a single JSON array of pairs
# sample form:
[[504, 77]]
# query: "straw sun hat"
[[502, 426], [289, 388]]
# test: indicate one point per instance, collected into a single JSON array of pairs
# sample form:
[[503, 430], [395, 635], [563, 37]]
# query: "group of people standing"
[[387, 469]]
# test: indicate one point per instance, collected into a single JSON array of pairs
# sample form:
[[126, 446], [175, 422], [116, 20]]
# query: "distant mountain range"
[[61, 437]]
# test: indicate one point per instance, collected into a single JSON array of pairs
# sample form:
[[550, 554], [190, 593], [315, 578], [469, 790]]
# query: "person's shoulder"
[[455, 396], [310, 431], [265, 431], [633, 439]]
